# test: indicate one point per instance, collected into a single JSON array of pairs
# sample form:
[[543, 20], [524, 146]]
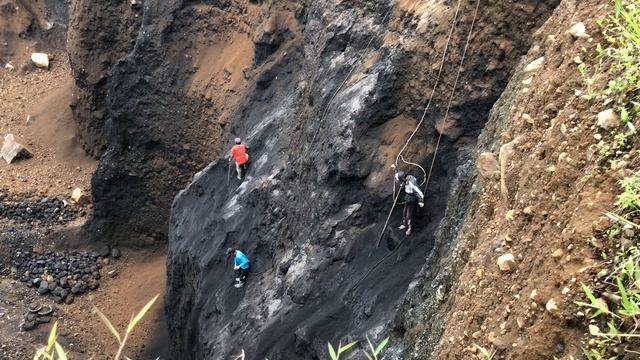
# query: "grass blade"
[[332, 352], [60, 351], [373, 350], [346, 347], [106, 321], [52, 337], [141, 314], [381, 346]]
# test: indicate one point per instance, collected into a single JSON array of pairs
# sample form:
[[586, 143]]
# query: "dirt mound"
[[544, 209]]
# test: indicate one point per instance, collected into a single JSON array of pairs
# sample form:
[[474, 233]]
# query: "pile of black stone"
[[36, 315], [62, 275], [54, 210]]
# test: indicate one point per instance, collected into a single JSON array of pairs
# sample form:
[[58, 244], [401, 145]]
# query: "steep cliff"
[[310, 212]]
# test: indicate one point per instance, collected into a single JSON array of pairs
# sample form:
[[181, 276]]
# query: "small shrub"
[[630, 197]]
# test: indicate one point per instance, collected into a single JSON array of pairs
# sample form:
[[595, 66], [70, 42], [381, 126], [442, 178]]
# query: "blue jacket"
[[241, 260]]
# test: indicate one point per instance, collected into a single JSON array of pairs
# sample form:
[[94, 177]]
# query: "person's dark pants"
[[242, 169], [409, 208], [242, 274]]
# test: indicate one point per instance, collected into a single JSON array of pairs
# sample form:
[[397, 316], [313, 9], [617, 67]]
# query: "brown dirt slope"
[[545, 212], [58, 164]]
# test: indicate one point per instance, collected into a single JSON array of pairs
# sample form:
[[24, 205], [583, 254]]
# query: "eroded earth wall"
[[322, 139]]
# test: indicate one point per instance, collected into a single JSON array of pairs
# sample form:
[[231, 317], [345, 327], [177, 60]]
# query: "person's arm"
[[418, 191]]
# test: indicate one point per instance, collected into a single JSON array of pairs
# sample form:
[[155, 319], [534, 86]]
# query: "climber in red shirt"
[[239, 152]]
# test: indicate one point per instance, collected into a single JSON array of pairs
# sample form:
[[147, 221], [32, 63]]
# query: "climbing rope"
[[335, 93], [433, 91], [424, 114], [353, 67], [464, 53]]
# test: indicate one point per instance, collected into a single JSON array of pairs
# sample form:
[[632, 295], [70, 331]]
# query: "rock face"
[[310, 211], [102, 33]]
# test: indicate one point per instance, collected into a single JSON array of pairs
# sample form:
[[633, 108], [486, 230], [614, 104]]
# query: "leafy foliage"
[[630, 197]]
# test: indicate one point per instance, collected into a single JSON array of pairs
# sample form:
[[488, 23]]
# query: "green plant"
[[53, 350], [624, 139], [335, 355], [630, 197], [488, 355], [122, 341], [585, 179], [376, 350], [623, 320], [622, 31], [47, 352], [595, 303]]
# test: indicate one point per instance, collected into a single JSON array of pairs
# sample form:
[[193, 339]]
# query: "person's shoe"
[[239, 177], [402, 227], [239, 285], [238, 279], [408, 231]]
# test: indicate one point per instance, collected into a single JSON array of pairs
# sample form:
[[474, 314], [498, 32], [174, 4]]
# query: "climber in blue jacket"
[[240, 264]]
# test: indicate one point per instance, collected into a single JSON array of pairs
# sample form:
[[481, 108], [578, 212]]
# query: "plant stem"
[[122, 344]]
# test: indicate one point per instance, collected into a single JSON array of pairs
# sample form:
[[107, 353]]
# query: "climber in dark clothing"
[[241, 265], [413, 195]]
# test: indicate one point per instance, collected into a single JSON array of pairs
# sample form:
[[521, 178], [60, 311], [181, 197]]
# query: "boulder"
[[104, 251], [115, 253], [488, 165], [40, 60], [578, 30], [43, 288], [11, 150], [506, 262], [79, 288], [608, 119], [534, 65], [28, 325], [79, 197]]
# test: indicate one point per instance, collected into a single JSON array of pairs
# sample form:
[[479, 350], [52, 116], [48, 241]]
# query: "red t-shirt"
[[240, 153]]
